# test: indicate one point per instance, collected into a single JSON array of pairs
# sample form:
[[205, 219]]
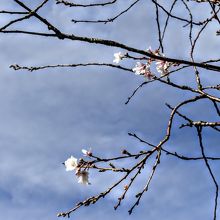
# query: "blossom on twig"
[[71, 163], [143, 69], [83, 177], [118, 57], [162, 67], [87, 152]]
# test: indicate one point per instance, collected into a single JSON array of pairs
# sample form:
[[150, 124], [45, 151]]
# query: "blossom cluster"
[[71, 164], [145, 68]]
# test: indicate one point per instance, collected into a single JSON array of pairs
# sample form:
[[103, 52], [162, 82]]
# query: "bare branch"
[[35, 68], [109, 19], [199, 132], [71, 4]]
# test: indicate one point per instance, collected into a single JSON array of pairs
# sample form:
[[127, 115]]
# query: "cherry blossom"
[[140, 68], [87, 152], [71, 163], [155, 52], [118, 57], [162, 67], [143, 69], [83, 177], [149, 49]]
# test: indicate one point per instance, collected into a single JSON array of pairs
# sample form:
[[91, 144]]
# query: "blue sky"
[[48, 115]]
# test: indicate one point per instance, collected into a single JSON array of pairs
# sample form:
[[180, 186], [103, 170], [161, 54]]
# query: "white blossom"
[[118, 57], [87, 152], [83, 177], [71, 163], [162, 67], [143, 69], [84, 151], [139, 68], [149, 49]]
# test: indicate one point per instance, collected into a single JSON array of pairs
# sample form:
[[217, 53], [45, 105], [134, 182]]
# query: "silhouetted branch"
[[71, 4], [35, 68], [108, 19], [199, 132]]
